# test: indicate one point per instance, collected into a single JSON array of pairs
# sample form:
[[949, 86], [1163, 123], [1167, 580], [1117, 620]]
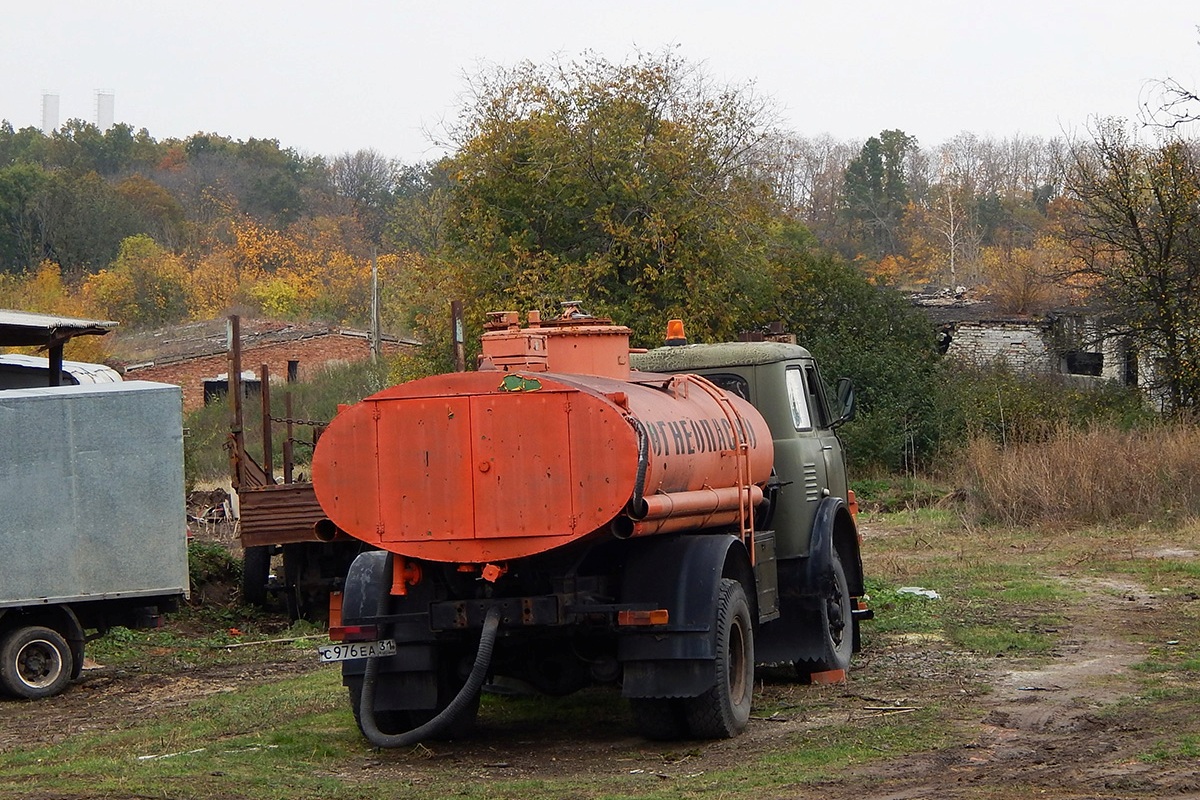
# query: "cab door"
[[800, 465], [823, 425]]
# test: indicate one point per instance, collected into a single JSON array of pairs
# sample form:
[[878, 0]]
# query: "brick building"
[[190, 354]]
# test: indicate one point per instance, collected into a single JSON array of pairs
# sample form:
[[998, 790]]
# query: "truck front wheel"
[[35, 662], [833, 624], [723, 711]]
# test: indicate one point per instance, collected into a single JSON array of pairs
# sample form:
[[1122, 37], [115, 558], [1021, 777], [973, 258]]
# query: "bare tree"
[[366, 179], [1136, 234], [1167, 103]]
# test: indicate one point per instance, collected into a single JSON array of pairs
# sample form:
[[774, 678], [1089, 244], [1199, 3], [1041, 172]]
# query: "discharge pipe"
[[456, 707]]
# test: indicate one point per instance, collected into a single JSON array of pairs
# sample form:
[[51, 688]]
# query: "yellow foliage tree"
[[44, 291], [1029, 280], [146, 286]]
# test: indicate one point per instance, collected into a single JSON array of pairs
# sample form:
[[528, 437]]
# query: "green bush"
[[875, 337], [1006, 407], [209, 563]]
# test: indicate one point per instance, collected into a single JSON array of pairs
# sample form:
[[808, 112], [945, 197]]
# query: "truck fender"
[[683, 575], [414, 665], [833, 527], [364, 584]]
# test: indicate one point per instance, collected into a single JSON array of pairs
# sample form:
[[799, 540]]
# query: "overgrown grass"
[[1006, 598], [216, 748], [1093, 476]]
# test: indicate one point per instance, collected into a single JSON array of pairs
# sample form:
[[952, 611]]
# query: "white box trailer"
[[92, 522]]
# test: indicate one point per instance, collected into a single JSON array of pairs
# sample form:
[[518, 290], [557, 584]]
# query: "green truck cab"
[[811, 509]]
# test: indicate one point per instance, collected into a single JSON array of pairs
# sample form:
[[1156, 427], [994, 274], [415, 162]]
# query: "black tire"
[[256, 571], [35, 662], [659, 719], [724, 710], [835, 624]]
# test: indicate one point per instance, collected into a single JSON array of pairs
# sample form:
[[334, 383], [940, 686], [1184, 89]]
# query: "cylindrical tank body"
[[485, 466]]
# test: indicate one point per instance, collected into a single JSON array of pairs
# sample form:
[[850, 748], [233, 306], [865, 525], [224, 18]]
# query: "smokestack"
[[105, 104], [49, 113]]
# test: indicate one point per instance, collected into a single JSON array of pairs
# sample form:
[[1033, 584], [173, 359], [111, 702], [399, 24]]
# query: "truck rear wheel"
[[836, 628], [723, 711], [35, 662], [659, 719]]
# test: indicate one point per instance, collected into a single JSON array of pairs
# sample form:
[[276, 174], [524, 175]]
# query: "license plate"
[[344, 651]]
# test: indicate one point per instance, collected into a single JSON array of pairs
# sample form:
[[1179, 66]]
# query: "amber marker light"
[[659, 616]]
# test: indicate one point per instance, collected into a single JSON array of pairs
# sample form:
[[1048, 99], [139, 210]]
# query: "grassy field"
[[1042, 646]]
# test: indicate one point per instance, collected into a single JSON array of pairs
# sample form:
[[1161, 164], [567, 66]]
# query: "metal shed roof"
[[22, 329]]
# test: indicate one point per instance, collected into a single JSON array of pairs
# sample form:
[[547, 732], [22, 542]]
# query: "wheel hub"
[[38, 664]]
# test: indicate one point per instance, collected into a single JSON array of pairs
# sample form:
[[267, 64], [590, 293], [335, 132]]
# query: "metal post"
[[268, 455], [376, 333], [56, 359], [233, 385], [293, 374], [456, 330]]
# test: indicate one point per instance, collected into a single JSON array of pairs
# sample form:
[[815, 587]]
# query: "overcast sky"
[[332, 77]]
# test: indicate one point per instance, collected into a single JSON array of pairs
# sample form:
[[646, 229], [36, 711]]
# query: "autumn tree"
[[632, 186], [146, 286], [1137, 235], [1028, 280]]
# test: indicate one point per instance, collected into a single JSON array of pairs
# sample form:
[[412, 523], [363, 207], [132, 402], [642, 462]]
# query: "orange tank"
[[487, 466]]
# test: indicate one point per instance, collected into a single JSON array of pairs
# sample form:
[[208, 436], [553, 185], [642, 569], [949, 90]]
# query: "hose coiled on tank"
[[448, 715]]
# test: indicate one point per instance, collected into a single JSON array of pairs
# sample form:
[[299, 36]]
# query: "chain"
[[314, 423]]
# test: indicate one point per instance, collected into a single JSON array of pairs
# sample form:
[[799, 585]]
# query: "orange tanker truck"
[[574, 513]]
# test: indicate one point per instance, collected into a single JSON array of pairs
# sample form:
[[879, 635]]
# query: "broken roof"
[[211, 337]]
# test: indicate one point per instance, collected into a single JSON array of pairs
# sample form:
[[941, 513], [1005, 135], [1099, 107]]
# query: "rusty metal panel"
[[425, 469], [91, 493], [521, 446], [280, 514]]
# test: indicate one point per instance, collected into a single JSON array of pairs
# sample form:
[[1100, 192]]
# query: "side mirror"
[[845, 396]]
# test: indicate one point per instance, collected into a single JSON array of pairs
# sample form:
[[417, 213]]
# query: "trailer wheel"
[[723, 711], [659, 719], [35, 662], [256, 571], [836, 624]]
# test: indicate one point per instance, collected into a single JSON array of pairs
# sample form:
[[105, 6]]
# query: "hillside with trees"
[[642, 188]]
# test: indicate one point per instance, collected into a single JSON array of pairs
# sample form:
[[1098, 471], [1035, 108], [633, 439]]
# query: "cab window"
[[734, 384], [797, 399], [817, 390]]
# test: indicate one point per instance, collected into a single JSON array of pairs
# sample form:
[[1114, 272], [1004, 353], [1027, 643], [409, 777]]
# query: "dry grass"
[[1094, 476]]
